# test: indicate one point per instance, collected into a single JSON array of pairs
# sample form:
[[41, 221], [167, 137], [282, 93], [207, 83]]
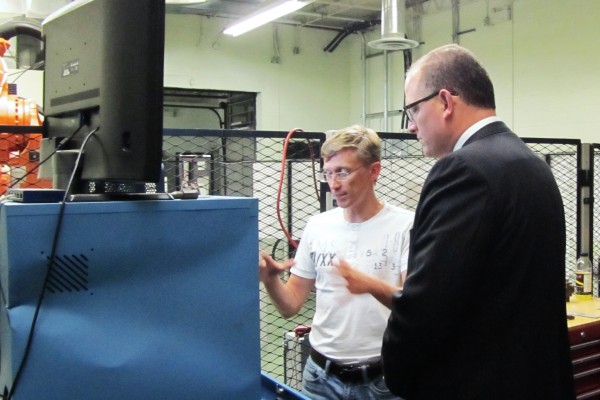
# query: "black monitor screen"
[[104, 69]]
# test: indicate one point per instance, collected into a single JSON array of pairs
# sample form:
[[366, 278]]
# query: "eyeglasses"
[[327, 176], [410, 114], [407, 109]]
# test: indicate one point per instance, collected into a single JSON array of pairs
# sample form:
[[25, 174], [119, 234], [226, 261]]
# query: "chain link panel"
[[596, 219], [249, 163]]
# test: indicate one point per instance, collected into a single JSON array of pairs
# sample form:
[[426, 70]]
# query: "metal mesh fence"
[[596, 217], [249, 163], [246, 163], [19, 160], [563, 158]]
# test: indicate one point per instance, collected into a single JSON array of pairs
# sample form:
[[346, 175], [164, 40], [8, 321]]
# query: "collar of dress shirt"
[[472, 129]]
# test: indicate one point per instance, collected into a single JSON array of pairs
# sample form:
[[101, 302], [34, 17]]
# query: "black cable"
[[58, 147], [356, 27], [314, 171], [274, 248], [336, 40], [29, 342], [33, 67]]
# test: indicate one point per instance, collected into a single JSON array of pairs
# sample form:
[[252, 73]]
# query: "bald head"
[[455, 68]]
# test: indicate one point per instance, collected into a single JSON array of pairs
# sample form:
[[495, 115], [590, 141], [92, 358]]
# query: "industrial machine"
[[19, 149], [141, 300]]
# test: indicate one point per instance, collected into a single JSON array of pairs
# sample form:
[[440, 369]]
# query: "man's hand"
[[268, 268], [287, 297], [357, 282]]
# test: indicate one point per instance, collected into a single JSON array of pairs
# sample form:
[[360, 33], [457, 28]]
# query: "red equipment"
[[18, 149]]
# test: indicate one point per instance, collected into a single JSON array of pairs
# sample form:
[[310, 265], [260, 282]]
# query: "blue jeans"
[[319, 384]]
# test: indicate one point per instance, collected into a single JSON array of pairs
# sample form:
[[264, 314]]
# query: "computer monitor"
[[104, 70]]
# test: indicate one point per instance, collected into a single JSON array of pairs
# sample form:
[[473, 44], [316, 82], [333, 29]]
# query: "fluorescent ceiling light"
[[184, 1], [265, 15]]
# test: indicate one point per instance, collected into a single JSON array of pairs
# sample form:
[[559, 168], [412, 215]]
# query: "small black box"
[[36, 195]]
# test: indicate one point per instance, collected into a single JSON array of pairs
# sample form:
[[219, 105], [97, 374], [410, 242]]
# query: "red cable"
[[281, 176]]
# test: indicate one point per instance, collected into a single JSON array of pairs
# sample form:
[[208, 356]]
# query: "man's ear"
[[375, 169], [448, 100]]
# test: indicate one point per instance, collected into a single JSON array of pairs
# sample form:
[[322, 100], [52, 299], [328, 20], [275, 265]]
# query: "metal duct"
[[14, 27], [392, 32]]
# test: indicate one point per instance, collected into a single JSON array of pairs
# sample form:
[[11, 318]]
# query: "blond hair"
[[364, 140]]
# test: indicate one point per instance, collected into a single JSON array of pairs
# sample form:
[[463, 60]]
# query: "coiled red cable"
[[281, 176]]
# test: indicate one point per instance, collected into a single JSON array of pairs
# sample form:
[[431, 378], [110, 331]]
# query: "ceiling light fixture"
[[184, 2], [265, 15]]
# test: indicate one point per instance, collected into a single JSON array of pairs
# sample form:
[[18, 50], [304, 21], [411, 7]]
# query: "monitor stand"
[[94, 191], [89, 197]]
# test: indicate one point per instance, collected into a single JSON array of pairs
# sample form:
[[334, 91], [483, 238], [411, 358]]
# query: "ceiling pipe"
[[354, 28], [455, 22], [392, 28]]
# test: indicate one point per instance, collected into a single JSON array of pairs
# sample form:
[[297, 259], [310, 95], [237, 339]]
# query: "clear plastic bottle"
[[583, 278]]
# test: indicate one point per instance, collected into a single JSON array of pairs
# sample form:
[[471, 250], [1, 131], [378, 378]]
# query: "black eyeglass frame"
[[407, 108]]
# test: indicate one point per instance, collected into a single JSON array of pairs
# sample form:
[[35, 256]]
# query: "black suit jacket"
[[482, 314]]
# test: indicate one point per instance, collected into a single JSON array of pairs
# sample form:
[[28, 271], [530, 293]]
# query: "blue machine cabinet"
[[145, 300]]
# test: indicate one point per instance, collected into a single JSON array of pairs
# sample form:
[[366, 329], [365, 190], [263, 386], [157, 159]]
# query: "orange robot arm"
[[18, 149]]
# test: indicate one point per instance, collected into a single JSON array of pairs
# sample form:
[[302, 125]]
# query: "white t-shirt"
[[349, 327]]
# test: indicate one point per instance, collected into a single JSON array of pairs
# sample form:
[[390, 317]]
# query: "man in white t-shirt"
[[355, 256]]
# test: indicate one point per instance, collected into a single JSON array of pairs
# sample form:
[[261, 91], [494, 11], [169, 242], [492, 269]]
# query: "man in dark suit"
[[482, 313]]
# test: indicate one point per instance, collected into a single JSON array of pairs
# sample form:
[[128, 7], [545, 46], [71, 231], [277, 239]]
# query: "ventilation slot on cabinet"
[[69, 273]]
